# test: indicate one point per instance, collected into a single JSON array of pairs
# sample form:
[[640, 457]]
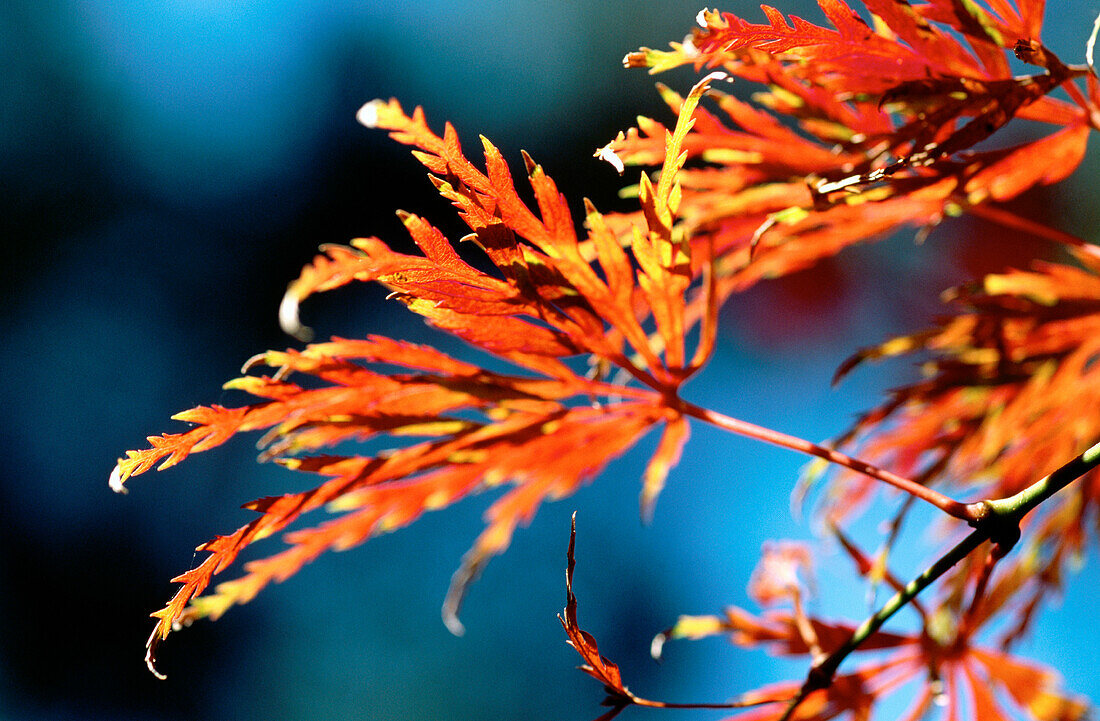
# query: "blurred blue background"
[[169, 167]]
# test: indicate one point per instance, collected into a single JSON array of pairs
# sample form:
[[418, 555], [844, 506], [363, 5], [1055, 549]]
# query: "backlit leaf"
[[460, 429]]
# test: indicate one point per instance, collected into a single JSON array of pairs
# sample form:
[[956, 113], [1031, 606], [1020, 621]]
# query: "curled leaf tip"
[[460, 583], [657, 645], [609, 155], [368, 114], [115, 481], [1090, 46], [254, 361], [450, 620], [288, 317], [150, 661]]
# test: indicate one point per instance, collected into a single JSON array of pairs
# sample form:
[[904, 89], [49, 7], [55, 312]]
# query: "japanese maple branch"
[[953, 508], [997, 521]]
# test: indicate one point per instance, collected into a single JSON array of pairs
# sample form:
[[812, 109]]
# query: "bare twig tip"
[[288, 317]]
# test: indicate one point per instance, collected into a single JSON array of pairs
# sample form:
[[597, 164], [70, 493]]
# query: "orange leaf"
[[1041, 162]]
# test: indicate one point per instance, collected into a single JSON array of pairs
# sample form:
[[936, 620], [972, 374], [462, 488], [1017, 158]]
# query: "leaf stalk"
[[953, 508]]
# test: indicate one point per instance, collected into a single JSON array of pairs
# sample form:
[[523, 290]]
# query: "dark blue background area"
[[169, 168]]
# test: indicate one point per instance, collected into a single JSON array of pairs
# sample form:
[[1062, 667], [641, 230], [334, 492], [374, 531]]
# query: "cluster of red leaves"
[[885, 115], [887, 110], [478, 429], [968, 680], [992, 410], [1006, 397]]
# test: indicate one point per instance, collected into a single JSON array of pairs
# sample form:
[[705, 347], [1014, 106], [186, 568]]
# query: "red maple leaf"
[[888, 115], [480, 429]]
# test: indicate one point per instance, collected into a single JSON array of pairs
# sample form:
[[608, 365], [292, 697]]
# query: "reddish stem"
[[948, 505]]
